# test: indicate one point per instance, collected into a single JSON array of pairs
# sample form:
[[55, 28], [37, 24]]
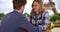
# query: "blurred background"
[[52, 6]]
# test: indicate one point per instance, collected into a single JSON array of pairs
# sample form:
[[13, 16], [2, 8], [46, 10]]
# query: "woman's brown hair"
[[40, 2]]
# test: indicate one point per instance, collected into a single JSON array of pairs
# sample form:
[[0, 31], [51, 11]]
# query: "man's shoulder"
[[9, 14], [13, 13]]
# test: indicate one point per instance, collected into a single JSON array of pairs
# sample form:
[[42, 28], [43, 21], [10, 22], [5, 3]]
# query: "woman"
[[38, 16]]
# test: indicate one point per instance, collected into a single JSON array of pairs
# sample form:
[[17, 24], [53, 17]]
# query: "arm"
[[26, 25], [46, 19]]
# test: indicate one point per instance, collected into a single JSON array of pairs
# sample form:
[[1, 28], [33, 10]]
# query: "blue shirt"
[[16, 22]]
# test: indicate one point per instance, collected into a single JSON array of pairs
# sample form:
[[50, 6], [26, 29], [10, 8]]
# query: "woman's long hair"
[[40, 2]]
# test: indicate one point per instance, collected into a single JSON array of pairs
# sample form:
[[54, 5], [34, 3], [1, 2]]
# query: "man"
[[15, 21]]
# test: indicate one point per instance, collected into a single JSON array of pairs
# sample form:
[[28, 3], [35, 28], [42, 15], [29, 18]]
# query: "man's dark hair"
[[18, 3]]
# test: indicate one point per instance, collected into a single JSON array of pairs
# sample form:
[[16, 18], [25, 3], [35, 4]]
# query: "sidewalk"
[[56, 30]]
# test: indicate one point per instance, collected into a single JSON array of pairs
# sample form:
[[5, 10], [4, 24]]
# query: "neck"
[[19, 11], [37, 13]]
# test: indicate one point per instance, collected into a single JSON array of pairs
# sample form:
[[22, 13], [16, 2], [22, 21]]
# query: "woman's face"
[[35, 7]]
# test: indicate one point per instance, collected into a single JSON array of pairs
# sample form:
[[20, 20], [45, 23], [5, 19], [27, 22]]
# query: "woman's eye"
[[35, 5]]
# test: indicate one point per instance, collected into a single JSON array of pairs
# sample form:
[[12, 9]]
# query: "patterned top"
[[42, 19]]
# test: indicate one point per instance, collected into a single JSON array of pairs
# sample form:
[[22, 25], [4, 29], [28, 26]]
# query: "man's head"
[[19, 4]]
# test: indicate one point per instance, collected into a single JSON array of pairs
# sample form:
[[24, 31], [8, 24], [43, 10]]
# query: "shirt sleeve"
[[46, 19], [27, 25]]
